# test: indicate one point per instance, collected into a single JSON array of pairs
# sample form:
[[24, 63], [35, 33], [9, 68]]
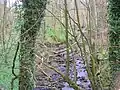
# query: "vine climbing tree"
[[33, 14], [114, 35]]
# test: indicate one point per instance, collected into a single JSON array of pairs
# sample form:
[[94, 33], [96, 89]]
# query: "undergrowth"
[[6, 70], [7, 56], [55, 35]]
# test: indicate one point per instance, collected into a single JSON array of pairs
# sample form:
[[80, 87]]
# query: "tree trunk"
[[33, 14], [114, 34]]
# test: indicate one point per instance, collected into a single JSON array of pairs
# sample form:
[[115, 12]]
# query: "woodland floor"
[[55, 55]]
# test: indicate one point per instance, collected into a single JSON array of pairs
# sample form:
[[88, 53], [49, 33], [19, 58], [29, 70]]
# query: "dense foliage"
[[33, 15], [114, 34], [114, 37]]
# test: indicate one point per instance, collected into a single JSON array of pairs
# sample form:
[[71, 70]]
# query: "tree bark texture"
[[33, 14], [114, 34]]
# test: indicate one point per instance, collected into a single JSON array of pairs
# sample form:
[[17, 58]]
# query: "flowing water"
[[56, 82]]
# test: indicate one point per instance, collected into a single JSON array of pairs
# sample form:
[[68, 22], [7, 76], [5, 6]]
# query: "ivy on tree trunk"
[[114, 34], [33, 14], [114, 38]]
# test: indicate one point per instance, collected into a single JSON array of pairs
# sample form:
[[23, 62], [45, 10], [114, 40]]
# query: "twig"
[[59, 21], [67, 79], [39, 66], [13, 72], [14, 60]]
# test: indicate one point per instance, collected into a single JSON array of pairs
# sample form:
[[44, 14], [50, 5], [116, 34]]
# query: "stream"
[[76, 62]]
